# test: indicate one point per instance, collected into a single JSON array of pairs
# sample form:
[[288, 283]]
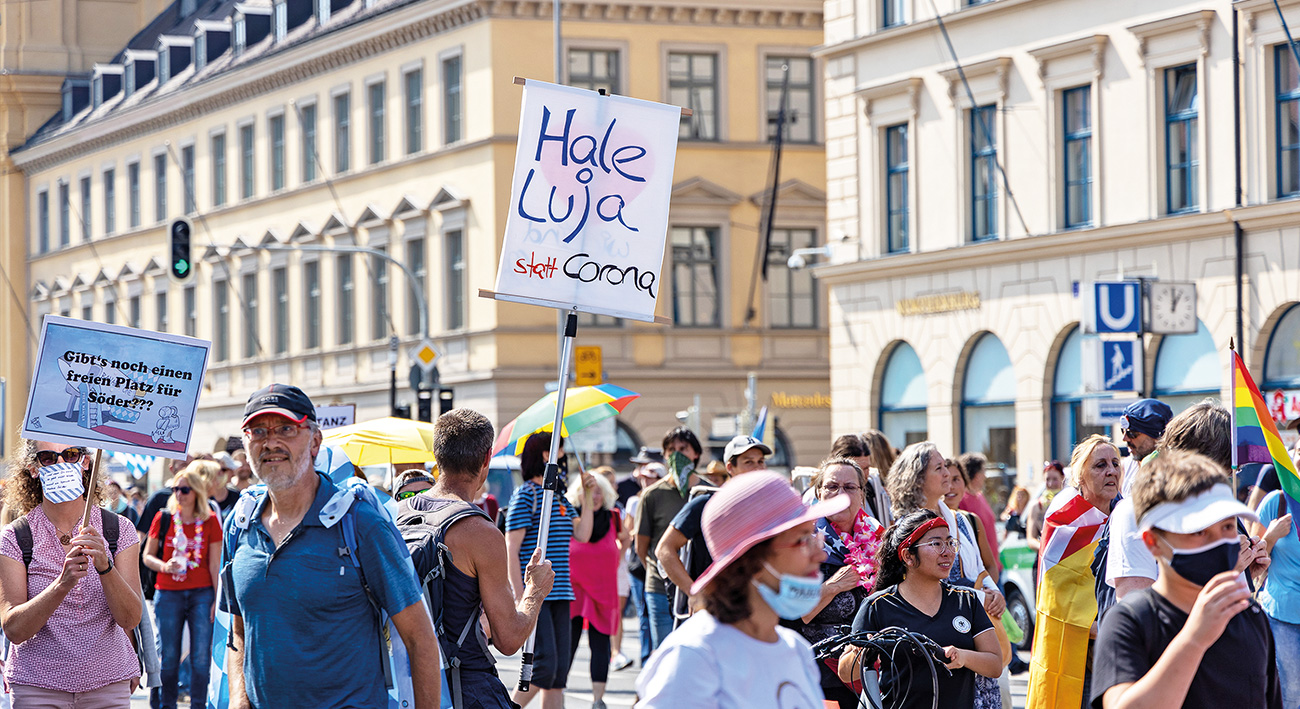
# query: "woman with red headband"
[[912, 593]]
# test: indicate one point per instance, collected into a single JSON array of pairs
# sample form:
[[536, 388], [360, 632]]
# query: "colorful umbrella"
[[583, 406], [387, 440]]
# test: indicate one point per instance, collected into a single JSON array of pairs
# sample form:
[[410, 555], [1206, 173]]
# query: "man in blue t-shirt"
[[303, 632]]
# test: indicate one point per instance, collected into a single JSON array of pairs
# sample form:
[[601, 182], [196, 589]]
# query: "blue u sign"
[[1119, 306], [1120, 366]]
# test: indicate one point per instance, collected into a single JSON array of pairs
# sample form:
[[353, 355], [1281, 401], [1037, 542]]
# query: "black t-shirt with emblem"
[[1238, 670], [905, 679]]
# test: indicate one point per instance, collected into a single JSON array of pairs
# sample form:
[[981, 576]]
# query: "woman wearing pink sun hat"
[[733, 654]]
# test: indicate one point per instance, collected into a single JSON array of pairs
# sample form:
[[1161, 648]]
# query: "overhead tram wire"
[[984, 127], [231, 283]]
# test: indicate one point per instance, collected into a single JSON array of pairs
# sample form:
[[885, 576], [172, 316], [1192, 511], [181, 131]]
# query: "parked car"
[[1018, 583]]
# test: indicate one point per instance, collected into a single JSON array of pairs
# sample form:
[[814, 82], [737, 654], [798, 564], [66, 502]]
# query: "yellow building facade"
[[391, 125]]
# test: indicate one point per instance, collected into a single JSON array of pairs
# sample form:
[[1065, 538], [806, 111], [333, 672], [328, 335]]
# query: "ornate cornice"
[[719, 13]]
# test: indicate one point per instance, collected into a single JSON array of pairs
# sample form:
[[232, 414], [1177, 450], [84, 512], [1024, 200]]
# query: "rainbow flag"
[[1254, 434]]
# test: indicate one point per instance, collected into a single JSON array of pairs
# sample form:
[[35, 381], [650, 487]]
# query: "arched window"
[[1281, 385], [903, 398], [1187, 369], [1067, 398], [988, 411]]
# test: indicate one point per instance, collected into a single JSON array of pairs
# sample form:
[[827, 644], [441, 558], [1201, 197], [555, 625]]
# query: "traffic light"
[[181, 264], [446, 400]]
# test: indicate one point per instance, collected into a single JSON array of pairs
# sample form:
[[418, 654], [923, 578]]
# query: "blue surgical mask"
[[797, 596], [1201, 564]]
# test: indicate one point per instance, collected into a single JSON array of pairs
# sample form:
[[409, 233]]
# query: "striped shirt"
[[525, 513]]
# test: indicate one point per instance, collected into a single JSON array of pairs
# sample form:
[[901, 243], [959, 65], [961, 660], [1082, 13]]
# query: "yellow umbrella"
[[385, 440]]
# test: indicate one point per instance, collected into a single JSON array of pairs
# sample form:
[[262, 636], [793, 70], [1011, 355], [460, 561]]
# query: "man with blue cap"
[[1142, 425]]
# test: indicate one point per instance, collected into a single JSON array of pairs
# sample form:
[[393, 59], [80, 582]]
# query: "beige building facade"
[[280, 129], [1079, 143]]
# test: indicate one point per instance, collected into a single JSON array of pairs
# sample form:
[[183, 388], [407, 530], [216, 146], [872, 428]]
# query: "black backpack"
[[425, 532], [144, 630]]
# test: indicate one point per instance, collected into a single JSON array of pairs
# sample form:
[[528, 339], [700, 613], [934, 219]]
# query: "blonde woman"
[[593, 570], [184, 548]]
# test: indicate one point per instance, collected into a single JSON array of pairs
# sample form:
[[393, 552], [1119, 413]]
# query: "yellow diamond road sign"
[[424, 355]]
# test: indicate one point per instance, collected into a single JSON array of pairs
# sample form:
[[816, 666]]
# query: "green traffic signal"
[[180, 245]]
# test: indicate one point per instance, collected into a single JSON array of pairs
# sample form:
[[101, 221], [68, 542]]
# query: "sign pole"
[[90, 486], [551, 480]]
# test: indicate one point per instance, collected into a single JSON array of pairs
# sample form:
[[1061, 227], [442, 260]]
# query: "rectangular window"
[[693, 84], [275, 125], [791, 294], [218, 169], [897, 172], [110, 307], [42, 222], [984, 173], [187, 179], [795, 75], [110, 201], [891, 14], [311, 291], [65, 215], [87, 312], [220, 321], [160, 187], [160, 311], [594, 69], [451, 100], [375, 94], [251, 345], [134, 310], [246, 165], [1077, 110], [414, 81], [191, 312], [378, 297], [342, 135], [280, 19], [344, 297], [133, 192], [1181, 156], [695, 277], [414, 261], [280, 284], [85, 208], [455, 260], [307, 117], [1288, 122]]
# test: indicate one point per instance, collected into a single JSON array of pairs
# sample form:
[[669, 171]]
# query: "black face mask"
[[1204, 563]]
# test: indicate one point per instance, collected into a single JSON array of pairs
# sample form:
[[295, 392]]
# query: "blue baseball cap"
[[1149, 416]]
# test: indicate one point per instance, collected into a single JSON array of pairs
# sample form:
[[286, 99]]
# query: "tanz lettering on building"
[[589, 201]]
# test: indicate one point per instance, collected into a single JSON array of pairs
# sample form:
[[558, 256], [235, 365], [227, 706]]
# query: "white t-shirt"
[[705, 664], [1128, 554], [1131, 466]]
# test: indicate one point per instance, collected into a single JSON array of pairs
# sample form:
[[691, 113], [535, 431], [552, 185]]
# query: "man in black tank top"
[[476, 577]]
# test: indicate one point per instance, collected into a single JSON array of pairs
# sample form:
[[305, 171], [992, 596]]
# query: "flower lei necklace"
[[185, 546], [863, 544]]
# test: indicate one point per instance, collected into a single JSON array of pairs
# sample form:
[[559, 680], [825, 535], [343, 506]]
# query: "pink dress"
[[593, 570]]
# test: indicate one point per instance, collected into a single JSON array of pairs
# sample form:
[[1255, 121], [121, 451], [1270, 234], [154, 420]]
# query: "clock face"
[[1173, 308]]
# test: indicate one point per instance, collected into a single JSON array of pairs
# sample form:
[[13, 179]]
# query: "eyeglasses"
[[407, 494], [284, 430], [811, 540], [940, 545], [834, 488], [69, 455], [183, 490]]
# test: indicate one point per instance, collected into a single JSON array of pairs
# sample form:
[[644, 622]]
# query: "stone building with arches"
[[1081, 142]]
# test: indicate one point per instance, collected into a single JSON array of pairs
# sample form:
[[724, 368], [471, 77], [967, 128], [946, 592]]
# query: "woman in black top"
[[912, 593]]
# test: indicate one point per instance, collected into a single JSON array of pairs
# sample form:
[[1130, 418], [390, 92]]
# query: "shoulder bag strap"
[[111, 531], [23, 530]]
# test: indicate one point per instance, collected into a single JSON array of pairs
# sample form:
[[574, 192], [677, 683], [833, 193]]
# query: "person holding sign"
[[66, 602]]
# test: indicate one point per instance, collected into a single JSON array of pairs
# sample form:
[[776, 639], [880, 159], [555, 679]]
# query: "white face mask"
[[61, 482]]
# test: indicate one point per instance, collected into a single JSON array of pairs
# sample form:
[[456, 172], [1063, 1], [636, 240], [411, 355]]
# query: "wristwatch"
[[110, 567]]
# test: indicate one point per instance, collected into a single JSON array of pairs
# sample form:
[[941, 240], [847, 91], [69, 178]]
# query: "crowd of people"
[[1157, 582]]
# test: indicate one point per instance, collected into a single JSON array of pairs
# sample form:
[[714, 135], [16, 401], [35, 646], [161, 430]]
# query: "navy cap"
[[1149, 416], [283, 400]]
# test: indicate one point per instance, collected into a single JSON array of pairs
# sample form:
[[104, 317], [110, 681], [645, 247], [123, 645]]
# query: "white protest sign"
[[588, 211], [336, 415], [114, 387]]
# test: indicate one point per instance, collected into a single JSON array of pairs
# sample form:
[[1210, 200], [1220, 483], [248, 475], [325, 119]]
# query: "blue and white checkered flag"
[[62, 482]]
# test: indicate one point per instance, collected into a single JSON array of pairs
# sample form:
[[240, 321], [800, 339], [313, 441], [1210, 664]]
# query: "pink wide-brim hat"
[[749, 509]]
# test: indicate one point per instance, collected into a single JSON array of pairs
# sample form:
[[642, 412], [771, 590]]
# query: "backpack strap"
[[23, 530], [111, 531], [437, 576]]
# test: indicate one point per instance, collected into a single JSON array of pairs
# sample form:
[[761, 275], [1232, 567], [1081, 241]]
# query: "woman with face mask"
[[733, 654], [1195, 638], [67, 612], [912, 592]]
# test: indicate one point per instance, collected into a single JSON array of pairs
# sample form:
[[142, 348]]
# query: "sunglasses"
[[69, 455], [407, 494], [183, 489]]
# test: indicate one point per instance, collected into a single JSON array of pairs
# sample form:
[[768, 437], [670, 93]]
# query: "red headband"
[[918, 533]]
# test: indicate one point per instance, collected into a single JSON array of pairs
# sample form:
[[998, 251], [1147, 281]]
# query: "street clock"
[[1173, 308]]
